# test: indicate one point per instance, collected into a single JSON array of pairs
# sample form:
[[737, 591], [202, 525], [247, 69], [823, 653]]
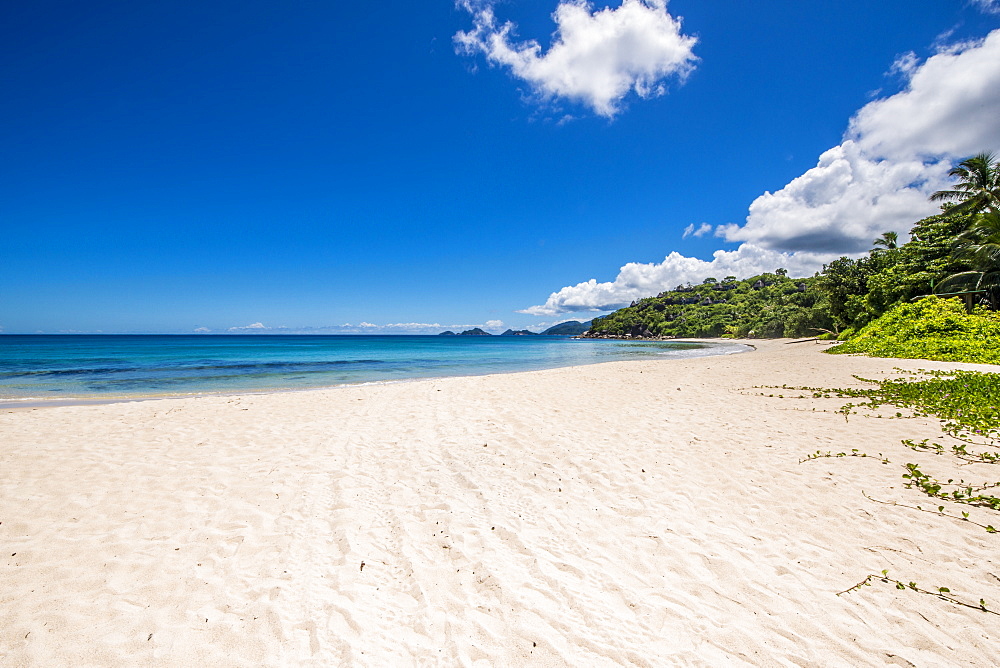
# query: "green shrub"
[[932, 328], [846, 334]]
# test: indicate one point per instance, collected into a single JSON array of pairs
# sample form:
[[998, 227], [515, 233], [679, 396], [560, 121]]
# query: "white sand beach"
[[646, 513]]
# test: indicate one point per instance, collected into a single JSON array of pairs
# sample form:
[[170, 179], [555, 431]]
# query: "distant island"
[[469, 332], [568, 328]]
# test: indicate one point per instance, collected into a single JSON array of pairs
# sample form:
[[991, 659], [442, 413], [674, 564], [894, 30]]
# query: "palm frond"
[[967, 280]]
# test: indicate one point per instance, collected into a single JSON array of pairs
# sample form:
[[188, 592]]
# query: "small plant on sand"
[[959, 451], [819, 454], [940, 510], [959, 492], [943, 593], [967, 404]]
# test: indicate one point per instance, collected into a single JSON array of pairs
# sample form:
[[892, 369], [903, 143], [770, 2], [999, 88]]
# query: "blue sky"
[[402, 166]]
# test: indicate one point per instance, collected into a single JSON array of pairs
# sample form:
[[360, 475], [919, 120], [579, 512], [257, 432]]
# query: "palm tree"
[[980, 245], [978, 186], [887, 241]]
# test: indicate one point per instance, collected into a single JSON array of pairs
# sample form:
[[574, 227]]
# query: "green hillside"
[[767, 305], [568, 328]]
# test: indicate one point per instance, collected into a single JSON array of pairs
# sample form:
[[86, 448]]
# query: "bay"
[[108, 367]]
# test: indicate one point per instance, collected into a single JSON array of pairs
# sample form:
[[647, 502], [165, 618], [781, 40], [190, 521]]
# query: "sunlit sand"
[[630, 513]]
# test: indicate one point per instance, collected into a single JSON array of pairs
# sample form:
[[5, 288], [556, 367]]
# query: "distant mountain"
[[568, 328]]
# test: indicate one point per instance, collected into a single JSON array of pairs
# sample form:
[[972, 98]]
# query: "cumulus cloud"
[[637, 280], [494, 324], [254, 327], [596, 57], [202, 330], [842, 204], [896, 152], [700, 231]]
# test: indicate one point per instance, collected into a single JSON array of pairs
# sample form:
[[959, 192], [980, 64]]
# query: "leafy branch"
[[819, 454], [944, 593], [960, 451], [961, 491], [940, 511]]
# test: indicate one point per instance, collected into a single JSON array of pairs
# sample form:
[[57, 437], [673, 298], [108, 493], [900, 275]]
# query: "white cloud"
[[988, 6], [637, 280], [896, 152], [596, 57], [413, 325], [254, 327], [948, 110], [365, 327], [842, 204], [905, 64], [202, 330], [700, 231]]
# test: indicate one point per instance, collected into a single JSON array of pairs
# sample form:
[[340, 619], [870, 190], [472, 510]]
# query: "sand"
[[648, 513]]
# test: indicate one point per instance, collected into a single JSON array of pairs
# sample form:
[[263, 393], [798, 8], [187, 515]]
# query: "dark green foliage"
[[768, 305], [888, 241], [980, 247], [861, 290], [568, 328], [846, 284], [978, 186], [932, 328]]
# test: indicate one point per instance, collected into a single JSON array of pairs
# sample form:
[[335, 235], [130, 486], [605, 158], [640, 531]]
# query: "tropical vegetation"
[[942, 286], [767, 305], [931, 328]]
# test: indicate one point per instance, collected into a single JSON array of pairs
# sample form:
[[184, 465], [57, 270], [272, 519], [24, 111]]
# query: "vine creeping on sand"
[[944, 593], [967, 404], [940, 510], [819, 454]]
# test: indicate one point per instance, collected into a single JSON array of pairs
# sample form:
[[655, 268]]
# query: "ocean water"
[[108, 367]]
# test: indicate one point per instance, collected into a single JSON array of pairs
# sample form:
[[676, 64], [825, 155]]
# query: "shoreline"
[[617, 513], [14, 403]]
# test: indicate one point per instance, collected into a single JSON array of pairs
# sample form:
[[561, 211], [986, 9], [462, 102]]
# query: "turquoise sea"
[[107, 367]]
